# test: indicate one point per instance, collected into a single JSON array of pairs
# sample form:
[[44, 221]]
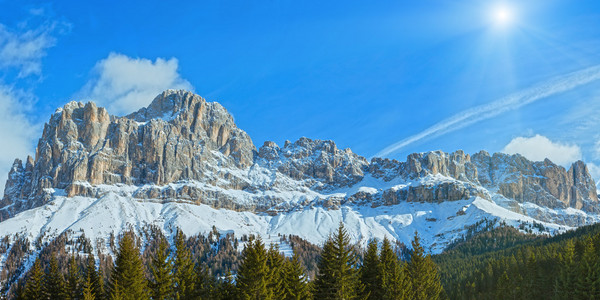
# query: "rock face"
[[182, 148], [170, 140], [320, 160]]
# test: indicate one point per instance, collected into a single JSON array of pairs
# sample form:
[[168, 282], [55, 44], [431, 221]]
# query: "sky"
[[384, 78]]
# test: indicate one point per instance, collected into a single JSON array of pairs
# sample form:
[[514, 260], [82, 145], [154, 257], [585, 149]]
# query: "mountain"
[[183, 162]]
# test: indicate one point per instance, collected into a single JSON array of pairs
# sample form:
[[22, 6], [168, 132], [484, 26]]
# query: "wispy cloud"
[[24, 47], [483, 112], [19, 133]]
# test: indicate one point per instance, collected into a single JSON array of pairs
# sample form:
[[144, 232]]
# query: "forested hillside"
[[504, 263], [182, 271], [499, 262]]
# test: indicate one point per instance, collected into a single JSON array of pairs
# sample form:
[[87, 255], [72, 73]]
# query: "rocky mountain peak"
[[179, 136], [315, 159]]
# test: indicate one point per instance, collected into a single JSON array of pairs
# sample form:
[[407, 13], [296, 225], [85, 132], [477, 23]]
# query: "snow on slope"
[[437, 223]]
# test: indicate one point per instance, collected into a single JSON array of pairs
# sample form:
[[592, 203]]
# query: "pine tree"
[[294, 281], [534, 282], [183, 269], [128, 272], [227, 289], [161, 282], [205, 284], [588, 277], [73, 280], [55, 282], [422, 271], [504, 288], [34, 286], [338, 276], [565, 284], [87, 291], [116, 292], [324, 284], [370, 272], [100, 288], [275, 262], [394, 284], [252, 279], [97, 282]]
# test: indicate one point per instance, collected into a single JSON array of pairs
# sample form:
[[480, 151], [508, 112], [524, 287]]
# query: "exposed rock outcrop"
[[182, 148]]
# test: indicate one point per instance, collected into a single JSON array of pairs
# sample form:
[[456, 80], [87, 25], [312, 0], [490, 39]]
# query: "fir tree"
[[533, 283], [294, 281], [73, 280], [205, 284], [394, 284], [425, 281], [324, 284], [505, 288], [275, 262], [565, 283], [227, 289], [252, 279], [370, 272], [34, 286], [55, 283], [87, 291], [97, 282], [183, 269], [588, 277], [128, 272], [161, 283], [100, 288], [338, 277], [116, 292]]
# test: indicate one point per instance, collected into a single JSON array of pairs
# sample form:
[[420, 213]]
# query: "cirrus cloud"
[[539, 147], [123, 84]]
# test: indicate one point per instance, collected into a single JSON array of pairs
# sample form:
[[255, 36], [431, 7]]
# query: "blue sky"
[[366, 74]]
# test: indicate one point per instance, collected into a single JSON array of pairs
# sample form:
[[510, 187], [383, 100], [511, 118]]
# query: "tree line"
[[172, 272]]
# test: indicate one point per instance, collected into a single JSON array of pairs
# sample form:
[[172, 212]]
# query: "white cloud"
[[23, 48], [123, 84], [18, 133], [538, 148]]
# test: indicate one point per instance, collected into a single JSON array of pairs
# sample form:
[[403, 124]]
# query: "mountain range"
[[183, 163]]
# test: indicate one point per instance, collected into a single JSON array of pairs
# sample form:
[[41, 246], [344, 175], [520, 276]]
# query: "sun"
[[502, 15]]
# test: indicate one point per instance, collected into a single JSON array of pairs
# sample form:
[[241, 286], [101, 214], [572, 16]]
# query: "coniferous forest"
[[166, 270], [499, 262]]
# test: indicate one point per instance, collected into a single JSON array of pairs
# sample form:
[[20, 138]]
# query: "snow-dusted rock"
[[183, 149]]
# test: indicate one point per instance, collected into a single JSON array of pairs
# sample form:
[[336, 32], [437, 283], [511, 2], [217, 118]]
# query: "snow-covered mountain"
[[182, 162]]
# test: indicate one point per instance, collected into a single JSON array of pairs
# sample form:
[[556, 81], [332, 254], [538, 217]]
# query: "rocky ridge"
[[183, 148]]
